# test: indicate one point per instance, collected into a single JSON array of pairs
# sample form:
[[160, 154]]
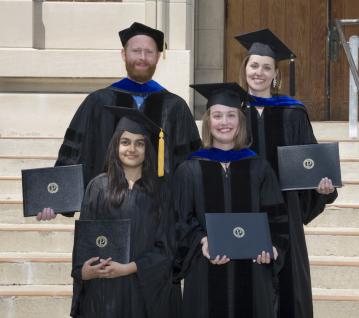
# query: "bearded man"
[[92, 126]]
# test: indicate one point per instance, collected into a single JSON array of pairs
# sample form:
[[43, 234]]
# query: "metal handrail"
[[339, 23]]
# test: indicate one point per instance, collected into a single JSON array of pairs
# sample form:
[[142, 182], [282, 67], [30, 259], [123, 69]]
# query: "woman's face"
[[131, 150], [224, 125], [260, 72]]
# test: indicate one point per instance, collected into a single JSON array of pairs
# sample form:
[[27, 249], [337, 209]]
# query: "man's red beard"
[[142, 75]]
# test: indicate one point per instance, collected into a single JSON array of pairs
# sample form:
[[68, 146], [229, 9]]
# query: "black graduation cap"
[[228, 94], [136, 122], [141, 29], [266, 43]]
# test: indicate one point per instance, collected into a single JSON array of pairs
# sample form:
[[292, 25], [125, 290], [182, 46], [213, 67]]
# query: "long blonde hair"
[[241, 138]]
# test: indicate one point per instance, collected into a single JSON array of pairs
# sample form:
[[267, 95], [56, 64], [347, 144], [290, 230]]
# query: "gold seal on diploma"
[[239, 232], [101, 241], [52, 187], [308, 163]]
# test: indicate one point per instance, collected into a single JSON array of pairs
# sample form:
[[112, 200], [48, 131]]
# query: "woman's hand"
[[106, 269], [218, 260], [264, 258], [115, 269], [46, 214], [325, 186], [90, 271]]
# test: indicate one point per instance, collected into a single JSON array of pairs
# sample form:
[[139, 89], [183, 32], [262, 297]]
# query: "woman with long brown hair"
[[129, 189]]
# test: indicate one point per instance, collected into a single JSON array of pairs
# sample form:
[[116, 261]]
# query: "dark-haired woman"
[[225, 176], [130, 189]]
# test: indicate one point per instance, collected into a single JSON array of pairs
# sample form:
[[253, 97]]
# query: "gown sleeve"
[[72, 148], [312, 203], [189, 231], [154, 267], [88, 211], [272, 202], [154, 273], [186, 134]]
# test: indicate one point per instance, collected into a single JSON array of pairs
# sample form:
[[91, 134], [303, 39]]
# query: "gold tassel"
[[161, 155]]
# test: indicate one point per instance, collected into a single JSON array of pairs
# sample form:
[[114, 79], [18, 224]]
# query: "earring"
[[274, 83]]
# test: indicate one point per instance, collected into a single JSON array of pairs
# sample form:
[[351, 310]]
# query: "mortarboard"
[[266, 43], [141, 29], [228, 94], [134, 121]]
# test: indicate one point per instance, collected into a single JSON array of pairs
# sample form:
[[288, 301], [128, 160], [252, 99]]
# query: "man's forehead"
[[142, 40]]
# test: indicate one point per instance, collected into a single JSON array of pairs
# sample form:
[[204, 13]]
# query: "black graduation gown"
[[149, 293], [239, 289], [285, 126], [87, 138]]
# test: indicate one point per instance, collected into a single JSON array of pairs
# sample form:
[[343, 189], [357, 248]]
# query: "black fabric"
[[285, 126], [68, 152], [240, 180], [149, 293], [229, 94], [239, 289], [96, 127], [265, 43], [73, 136], [142, 29], [214, 196], [133, 121]]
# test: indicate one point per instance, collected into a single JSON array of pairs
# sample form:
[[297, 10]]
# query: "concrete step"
[[31, 146], [55, 268], [35, 269], [12, 166], [334, 216], [332, 241], [349, 149], [10, 187], [336, 303], [52, 303], [349, 169], [11, 212], [348, 193], [34, 114], [38, 301], [42, 237], [48, 237], [334, 272], [331, 130]]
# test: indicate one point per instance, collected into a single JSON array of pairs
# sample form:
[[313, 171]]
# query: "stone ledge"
[[41, 227], [36, 290], [319, 294], [335, 294], [334, 261], [18, 257], [333, 231], [94, 64]]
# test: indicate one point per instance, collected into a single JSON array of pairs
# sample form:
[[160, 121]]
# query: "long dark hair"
[[117, 182]]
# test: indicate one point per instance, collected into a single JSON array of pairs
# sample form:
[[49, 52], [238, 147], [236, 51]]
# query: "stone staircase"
[[35, 258]]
